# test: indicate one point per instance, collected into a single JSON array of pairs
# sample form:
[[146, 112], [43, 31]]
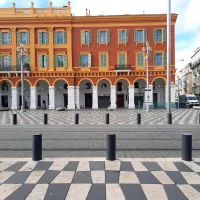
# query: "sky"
[[187, 26]]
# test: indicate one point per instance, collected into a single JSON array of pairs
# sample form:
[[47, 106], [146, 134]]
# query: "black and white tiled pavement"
[[98, 179], [120, 116]]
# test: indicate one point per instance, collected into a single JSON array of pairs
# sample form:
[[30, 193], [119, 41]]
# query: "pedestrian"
[[44, 104]]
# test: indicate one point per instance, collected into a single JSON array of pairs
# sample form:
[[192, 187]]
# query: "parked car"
[[188, 100]]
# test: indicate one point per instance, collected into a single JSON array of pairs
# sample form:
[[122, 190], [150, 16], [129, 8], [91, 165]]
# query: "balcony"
[[122, 68], [16, 69]]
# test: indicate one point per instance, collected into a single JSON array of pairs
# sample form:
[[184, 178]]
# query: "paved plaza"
[[120, 116], [98, 179]]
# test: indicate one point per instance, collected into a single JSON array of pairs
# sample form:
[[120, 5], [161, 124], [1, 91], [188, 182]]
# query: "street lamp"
[[146, 50], [21, 52]]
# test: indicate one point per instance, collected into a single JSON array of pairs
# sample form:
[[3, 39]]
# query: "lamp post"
[[146, 50], [21, 52]]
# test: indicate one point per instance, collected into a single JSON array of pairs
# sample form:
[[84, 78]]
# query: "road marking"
[[112, 165], [64, 177], [162, 177], [6, 164], [35, 176], [7, 189], [29, 166], [128, 177], [58, 166], [5, 175], [191, 177], [83, 166], [98, 176], [167, 166], [189, 192], [38, 192], [138, 166], [113, 192]]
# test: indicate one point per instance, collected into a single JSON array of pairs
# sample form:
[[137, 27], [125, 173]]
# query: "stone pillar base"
[[71, 107], [14, 108], [113, 107], [52, 107], [33, 107], [131, 106], [95, 106]]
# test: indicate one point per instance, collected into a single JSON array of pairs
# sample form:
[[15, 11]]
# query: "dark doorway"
[[65, 98], [120, 101], [20, 100], [139, 101], [103, 101], [88, 100], [155, 100], [4, 101], [39, 101]]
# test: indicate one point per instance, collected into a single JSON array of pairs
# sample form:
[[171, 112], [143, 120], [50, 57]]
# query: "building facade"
[[82, 61]]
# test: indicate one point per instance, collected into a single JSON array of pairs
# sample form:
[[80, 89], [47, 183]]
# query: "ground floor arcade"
[[104, 94]]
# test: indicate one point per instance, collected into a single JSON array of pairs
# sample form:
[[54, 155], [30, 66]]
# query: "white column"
[[52, 97], [151, 87], [33, 99], [173, 95], [131, 96], [95, 97], [0, 97], [77, 97], [14, 95], [113, 97], [71, 102]]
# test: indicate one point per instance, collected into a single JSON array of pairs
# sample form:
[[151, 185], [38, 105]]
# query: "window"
[[103, 36], [5, 38], [43, 36], [122, 59], [123, 36], [140, 35], [86, 37], [140, 59], [5, 61], [4, 86], [25, 61], [23, 37], [60, 61], [136, 85], [44, 61], [60, 37], [160, 59], [159, 35], [85, 60], [103, 60], [119, 86]]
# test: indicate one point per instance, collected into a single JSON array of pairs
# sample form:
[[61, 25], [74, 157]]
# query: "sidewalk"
[[99, 179]]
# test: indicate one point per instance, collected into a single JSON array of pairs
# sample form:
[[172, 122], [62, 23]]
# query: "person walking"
[[43, 105]]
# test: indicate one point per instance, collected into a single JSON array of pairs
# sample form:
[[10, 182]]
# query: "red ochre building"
[[82, 61]]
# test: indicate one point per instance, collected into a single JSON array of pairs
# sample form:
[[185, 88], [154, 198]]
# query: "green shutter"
[[142, 59], [98, 36], [101, 60], [108, 36], [154, 59], [80, 60], [18, 37], [135, 35], [127, 35], [120, 36], [18, 60], [83, 37], [10, 60], [41, 61], [165, 59], [154, 35], [0, 61], [121, 59], [65, 60], [27, 38], [105, 60], [89, 60], [138, 60], [1, 38], [28, 59], [55, 37], [65, 37], [47, 60], [145, 35], [47, 38], [9, 37], [164, 35], [55, 61], [40, 37], [90, 37]]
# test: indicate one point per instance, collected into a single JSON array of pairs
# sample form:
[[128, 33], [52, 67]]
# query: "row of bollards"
[[111, 147]]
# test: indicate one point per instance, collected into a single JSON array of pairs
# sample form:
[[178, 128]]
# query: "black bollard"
[[138, 118], [14, 119], [76, 118], [107, 118], [187, 146], [111, 147], [169, 118], [37, 147], [45, 118]]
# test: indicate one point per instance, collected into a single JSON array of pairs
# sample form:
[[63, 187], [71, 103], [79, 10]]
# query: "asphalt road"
[[90, 140]]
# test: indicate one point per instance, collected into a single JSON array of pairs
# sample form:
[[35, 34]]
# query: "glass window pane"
[[123, 36], [60, 38], [23, 37], [86, 36], [6, 61], [158, 35], [158, 59], [43, 37], [60, 61], [85, 60], [140, 35], [5, 38], [103, 36]]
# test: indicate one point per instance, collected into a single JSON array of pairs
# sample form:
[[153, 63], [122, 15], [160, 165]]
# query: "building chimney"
[[69, 3], [86, 12], [13, 5], [50, 4], [32, 4], [89, 12]]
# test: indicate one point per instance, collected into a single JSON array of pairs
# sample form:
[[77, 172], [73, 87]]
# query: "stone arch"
[[101, 79], [41, 79], [17, 83], [139, 79], [122, 79], [86, 79], [159, 78], [1, 81], [60, 79]]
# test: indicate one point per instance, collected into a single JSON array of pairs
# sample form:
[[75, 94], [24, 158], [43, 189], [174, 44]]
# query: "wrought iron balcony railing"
[[14, 68], [122, 67]]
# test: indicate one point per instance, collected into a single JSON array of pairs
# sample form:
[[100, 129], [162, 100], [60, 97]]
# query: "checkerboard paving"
[[99, 180]]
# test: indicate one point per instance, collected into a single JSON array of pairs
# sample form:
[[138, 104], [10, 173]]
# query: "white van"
[[188, 100]]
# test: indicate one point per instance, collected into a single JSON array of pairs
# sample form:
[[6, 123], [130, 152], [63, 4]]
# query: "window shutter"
[[165, 59], [105, 60], [135, 35], [145, 35], [18, 60], [55, 37], [98, 36], [28, 59], [47, 38], [9, 38], [89, 60], [55, 61], [27, 38], [90, 37], [164, 35], [127, 35], [120, 59], [101, 60], [1, 38], [1, 61], [83, 37], [10, 60], [108, 36], [142, 59], [18, 37], [47, 60], [120, 36], [65, 37], [41, 61], [40, 37], [65, 60], [154, 59], [154, 35], [80, 60], [138, 60]]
